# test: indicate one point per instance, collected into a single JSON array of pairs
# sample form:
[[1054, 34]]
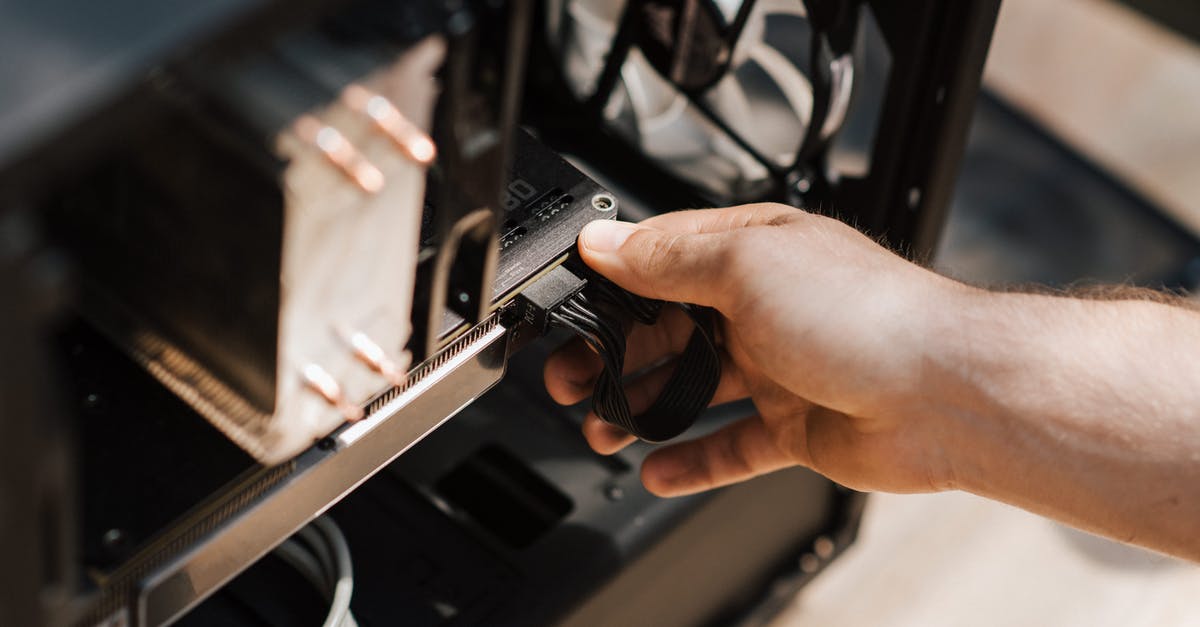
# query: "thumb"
[[669, 265]]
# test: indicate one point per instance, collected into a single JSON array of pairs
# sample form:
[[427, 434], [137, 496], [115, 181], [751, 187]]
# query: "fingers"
[[670, 265], [728, 219], [680, 256], [571, 371], [737, 452], [607, 439], [604, 438]]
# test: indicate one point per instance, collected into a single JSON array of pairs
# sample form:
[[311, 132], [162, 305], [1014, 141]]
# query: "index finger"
[[722, 219]]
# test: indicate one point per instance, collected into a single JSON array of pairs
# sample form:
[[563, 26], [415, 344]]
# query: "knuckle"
[[737, 260], [784, 219], [806, 221], [791, 437], [663, 252], [778, 214], [735, 454], [739, 250], [706, 473]]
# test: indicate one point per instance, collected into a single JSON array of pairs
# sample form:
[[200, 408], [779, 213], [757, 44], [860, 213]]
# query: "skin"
[[885, 376]]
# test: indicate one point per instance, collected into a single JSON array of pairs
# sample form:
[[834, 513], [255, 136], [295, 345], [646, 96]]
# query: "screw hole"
[[604, 202]]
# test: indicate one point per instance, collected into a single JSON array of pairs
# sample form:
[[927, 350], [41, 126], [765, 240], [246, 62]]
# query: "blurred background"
[[1083, 166]]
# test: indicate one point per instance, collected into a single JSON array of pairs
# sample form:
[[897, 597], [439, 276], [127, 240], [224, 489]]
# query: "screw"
[[809, 563], [113, 539], [93, 402], [614, 492], [604, 202]]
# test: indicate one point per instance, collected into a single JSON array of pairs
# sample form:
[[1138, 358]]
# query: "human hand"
[[822, 328]]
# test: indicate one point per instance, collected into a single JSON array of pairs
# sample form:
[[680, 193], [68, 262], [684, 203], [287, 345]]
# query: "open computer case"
[[265, 349]]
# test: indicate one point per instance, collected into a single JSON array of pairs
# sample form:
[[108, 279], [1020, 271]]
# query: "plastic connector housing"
[[547, 294]]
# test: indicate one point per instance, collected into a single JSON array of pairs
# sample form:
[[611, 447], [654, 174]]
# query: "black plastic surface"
[[425, 553], [146, 458], [547, 294]]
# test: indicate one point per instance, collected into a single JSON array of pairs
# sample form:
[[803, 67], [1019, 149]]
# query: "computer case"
[[152, 185]]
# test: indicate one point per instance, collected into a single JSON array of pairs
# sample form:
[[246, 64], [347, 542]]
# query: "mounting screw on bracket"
[[604, 202]]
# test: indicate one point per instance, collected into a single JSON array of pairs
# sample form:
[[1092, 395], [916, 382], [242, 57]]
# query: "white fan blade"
[[791, 81], [729, 101], [782, 7]]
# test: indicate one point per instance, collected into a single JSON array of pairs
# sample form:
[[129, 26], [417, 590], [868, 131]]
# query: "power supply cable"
[[597, 314]]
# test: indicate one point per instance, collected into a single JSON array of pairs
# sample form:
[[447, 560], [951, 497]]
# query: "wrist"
[[963, 340], [995, 361]]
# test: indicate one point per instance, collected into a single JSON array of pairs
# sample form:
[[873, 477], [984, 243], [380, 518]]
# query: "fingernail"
[[605, 236]]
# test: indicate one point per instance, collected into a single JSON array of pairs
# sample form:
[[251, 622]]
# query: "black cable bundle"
[[596, 315]]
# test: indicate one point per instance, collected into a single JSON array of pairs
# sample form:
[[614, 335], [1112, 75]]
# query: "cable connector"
[[599, 312], [548, 294]]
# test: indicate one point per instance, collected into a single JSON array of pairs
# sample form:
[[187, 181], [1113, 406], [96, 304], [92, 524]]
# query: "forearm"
[[1085, 411]]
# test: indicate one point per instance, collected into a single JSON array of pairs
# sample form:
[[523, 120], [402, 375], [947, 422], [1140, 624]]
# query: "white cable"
[[299, 557], [320, 553], [343, 590], [318, 546]]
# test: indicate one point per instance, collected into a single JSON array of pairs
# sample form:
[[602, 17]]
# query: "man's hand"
[[822, 328], [883, 375]]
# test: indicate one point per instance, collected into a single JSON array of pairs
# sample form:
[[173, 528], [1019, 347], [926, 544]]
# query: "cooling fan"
[[732, 96]]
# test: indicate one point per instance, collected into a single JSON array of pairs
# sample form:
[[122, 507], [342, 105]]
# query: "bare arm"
[[1085, 411], [885, 376]]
